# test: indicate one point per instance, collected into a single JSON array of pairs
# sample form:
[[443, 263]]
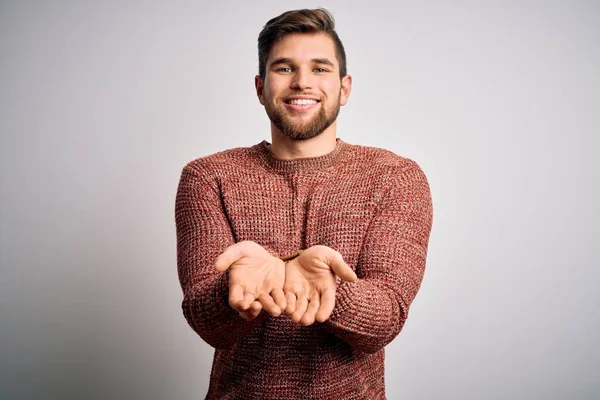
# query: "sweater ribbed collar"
[[299, 164]]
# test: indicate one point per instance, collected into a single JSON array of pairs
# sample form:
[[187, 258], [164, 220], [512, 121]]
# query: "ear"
[[345, 90], [259, 85]]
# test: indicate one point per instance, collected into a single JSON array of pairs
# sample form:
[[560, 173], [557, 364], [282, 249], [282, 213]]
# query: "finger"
[[253, 311], [269, 305], [301, 306], [327, 305], [341, 269], [279, 297], [236, 295], [248, 315], [255, 307], [291, 303], [245, 314], [245, 303], [313, 306], [232, 254]]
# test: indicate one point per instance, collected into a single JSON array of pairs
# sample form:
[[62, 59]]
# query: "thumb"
[[231, 255], [341, 269]]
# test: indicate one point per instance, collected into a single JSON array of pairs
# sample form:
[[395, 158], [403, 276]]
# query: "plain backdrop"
[[103, 103]]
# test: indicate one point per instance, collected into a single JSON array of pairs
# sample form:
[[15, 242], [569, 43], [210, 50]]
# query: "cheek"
[[274, 88], [331, 86], [272, 93]]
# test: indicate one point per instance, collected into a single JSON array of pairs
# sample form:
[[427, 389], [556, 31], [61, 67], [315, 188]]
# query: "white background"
[[102, 103]]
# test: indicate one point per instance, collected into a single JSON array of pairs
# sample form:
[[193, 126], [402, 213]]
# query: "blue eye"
[[284, 69]]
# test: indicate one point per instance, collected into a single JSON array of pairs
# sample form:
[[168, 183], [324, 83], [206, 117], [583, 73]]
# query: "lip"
[[301, 107]]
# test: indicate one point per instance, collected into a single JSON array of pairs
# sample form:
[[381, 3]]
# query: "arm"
[[370, 312], [203, 233]]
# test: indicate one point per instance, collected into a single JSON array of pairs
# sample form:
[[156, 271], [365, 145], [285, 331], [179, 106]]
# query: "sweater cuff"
[[223, 295], [343, 304]]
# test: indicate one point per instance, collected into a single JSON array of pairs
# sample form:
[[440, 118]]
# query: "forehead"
[[303, 47]]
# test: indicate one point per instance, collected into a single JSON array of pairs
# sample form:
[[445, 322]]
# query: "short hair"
[[298, 21]]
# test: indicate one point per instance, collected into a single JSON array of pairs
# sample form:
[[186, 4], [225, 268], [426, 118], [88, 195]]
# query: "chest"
[[285, 213]]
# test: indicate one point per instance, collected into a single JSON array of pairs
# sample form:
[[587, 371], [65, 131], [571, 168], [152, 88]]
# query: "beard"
[[302, 130]]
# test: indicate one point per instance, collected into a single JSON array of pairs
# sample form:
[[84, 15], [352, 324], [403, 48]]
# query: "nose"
[[301, 80]]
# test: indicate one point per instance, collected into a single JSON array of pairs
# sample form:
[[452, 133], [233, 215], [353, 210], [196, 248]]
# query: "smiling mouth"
[[301, 102]]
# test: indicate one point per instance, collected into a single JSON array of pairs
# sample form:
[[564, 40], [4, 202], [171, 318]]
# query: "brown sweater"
[[371, 205]]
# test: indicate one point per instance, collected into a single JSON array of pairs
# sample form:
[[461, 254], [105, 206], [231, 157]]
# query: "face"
[[302, 91]]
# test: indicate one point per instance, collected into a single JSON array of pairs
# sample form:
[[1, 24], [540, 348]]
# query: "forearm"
[[206, 309], [366, 316], [371, 312], [203, 233]]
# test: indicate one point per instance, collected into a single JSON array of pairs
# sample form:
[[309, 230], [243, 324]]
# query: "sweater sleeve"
[[370, 312], [203, 233]]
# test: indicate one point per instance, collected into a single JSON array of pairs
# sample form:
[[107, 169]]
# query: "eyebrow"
[[322, 61], [286, 60]]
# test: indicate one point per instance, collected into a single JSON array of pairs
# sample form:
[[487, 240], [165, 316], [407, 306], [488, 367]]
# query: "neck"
[[286, 148]]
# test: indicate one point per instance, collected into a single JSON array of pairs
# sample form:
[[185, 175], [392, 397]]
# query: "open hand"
[[310, 283], [255, 279]]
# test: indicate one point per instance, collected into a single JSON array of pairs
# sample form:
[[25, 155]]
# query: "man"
[[299, 258]]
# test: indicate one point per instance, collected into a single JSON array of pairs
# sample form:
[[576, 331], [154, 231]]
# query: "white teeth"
[[302, 102]]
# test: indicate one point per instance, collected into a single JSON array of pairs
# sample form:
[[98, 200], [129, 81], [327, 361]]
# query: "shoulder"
[[223, 162], [399, 177], [380, 160], [385, 169]]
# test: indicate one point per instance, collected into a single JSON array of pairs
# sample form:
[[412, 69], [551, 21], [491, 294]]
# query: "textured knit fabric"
[[371, 205]]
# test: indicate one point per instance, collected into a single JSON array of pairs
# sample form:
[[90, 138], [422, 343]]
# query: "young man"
[[299, 258]]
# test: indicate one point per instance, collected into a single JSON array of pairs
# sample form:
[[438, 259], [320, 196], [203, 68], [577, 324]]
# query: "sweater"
[[371, 205]]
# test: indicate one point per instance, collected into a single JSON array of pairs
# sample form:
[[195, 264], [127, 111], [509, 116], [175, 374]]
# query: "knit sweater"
[[370, 204]]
